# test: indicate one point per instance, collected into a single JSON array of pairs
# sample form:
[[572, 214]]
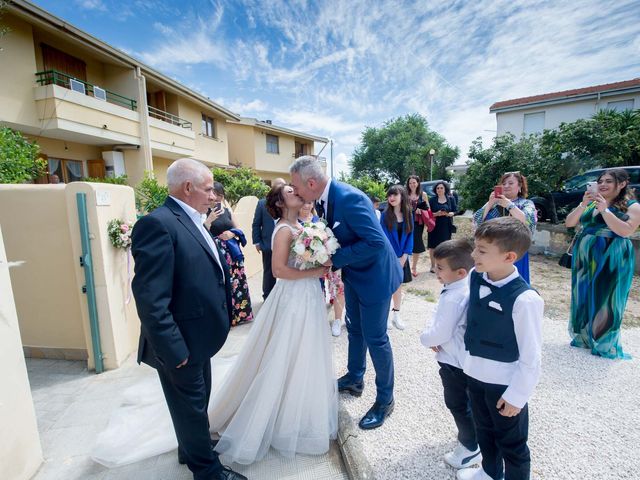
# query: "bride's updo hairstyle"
[[275, 201]]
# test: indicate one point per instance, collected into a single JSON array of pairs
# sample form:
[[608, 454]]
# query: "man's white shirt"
[[197, 219], [521, 376]]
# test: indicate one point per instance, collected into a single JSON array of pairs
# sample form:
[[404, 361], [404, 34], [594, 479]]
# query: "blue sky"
[[333, 67]]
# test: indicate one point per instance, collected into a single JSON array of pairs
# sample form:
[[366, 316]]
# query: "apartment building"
[[547, 111], [96, 111], [267, 148]]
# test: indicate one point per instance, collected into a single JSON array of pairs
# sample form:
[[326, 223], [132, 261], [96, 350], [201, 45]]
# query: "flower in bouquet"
[[119, 233], [313, 245]]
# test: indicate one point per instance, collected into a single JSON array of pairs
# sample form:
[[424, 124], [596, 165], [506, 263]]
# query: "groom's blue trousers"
[[367, 329]]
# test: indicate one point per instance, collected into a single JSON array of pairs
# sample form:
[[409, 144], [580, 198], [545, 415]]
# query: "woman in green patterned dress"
[[603, 261]]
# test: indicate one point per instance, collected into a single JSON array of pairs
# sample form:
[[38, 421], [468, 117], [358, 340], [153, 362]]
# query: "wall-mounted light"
[[104, 126], [66, 148]]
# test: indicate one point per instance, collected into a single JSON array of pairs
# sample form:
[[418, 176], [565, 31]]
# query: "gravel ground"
[[584, 416]]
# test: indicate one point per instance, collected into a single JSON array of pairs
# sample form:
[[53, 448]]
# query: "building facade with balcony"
[[530, 115], [266, 148], [94, 110]]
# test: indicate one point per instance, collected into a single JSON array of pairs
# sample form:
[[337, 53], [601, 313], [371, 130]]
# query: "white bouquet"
[[313, 245]]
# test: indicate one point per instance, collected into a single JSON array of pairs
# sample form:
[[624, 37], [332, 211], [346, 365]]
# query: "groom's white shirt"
[[325, 197]]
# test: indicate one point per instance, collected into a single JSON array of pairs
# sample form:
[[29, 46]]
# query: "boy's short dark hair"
[[456, 252], [508, 233]]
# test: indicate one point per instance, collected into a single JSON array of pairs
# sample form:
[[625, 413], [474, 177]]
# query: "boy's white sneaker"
[[462, 457], [336, 327], [472, 474], [396, 320]]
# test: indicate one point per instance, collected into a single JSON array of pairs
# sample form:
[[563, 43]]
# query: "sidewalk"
[[74, 405], [583, 415]]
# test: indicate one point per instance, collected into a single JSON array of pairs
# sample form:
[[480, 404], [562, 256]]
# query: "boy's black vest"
[[490, 333]]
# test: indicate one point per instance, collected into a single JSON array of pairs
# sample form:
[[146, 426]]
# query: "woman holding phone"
[[224, 228], [603, 263], [509, 197]]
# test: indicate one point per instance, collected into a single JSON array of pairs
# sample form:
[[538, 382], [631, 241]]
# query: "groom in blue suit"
[[370, 272]]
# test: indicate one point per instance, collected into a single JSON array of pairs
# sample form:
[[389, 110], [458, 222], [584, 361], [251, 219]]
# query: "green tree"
[[19, 158], [150, 194], [365, 183], [401, 148], [119, 180], [240, 182]]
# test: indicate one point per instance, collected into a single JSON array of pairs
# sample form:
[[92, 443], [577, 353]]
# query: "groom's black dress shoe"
[[376, 415], [227, 474], [345, 384]]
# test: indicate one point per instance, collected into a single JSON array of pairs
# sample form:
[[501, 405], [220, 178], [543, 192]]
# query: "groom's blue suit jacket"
[[365, 256]]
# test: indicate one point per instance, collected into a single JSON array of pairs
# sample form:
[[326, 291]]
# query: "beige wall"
[[17, 82], [20, 450], [243, 214], [272, 162], [241, 145], [212, 151], [35, 222], [74, 151], [160, 166], [42, 228]]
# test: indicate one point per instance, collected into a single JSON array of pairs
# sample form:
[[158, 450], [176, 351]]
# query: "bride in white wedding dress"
[[281, 390]]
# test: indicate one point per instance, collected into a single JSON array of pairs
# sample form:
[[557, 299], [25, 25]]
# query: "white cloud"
[[91, 5]]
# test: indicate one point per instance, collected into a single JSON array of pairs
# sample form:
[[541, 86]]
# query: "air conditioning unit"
[[77, 86], [100, 93], [113, 163]]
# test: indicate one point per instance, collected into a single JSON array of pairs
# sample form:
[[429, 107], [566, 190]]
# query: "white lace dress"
[[279, 392]]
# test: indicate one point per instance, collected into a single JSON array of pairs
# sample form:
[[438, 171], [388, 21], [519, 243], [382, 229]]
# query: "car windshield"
[[580, 181]]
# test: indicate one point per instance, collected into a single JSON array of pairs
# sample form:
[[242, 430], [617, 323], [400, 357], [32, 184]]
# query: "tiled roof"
[[566, 94]]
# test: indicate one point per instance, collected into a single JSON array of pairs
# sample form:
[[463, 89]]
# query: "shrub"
[[19, 158], [240, 182], [150, 194]]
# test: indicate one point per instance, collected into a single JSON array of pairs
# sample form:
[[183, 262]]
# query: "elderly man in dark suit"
[[261, 231], [182, 294]]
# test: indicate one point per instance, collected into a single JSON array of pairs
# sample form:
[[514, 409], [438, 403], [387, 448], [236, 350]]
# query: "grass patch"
[[423, 293]]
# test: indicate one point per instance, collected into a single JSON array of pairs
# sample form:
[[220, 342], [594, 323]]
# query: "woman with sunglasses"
[[511, 200]]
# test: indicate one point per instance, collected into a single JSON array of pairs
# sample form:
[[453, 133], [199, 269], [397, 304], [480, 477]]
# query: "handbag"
[[406, 272], [566, 260]]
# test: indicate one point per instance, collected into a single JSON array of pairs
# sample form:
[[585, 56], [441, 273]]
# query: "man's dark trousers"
[[500, 438], [268, 281], [187, 390]]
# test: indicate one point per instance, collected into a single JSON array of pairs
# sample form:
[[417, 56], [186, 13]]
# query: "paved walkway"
[[74, 405]]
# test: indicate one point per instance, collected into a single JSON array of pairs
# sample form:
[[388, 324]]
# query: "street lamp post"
[[432, 152]]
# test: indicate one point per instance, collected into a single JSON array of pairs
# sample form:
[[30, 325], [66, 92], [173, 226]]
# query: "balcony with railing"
[[169, 118], [54, 77]]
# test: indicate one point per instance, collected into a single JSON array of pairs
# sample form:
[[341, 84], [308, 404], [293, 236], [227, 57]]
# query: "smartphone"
[[217, 206], [592, 187], [497, 190]]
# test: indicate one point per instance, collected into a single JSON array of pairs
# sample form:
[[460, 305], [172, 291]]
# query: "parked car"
[[573, 190], [428, 187]]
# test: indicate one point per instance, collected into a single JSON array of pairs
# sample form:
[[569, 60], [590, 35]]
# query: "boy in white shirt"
[[445, 336], [503, 340]]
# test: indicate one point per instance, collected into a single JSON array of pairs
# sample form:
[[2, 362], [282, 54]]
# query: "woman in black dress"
[[443, 208], [225, 230], [418, 201]]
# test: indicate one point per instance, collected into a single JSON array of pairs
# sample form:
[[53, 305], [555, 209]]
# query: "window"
[[301, 149], [272, 144], [66, 170], [208, 126], [620, 106], [533, 123]]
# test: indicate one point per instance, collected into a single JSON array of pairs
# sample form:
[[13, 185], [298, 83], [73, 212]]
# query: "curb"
[[355, 461]]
